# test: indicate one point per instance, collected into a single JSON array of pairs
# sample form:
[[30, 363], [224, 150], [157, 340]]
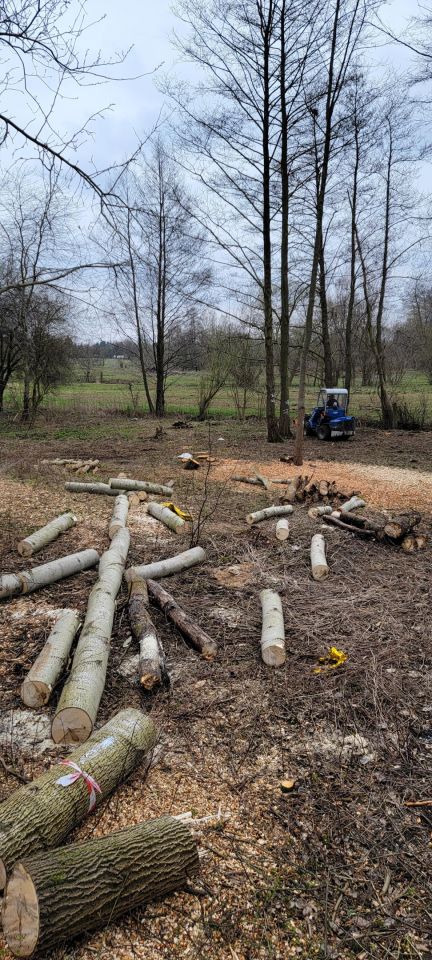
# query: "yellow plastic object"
[[180, 513], [333, 659]]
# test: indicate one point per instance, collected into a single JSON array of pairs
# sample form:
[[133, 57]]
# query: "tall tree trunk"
[[351, 302], [273, 435], [328, 360], [137, 319], [160, 317], [284, 409]]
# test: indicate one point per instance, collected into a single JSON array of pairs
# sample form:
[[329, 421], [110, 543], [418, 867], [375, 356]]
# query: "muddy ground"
[[338, 867]]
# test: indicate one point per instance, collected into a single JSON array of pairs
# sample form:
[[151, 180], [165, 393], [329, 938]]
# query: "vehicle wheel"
[[323, 431], [346, 436]]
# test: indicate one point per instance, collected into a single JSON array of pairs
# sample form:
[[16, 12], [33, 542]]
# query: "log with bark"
[[251, 480], [320, 569], [336, 521], [412, 543], [282, 529], [273, 631], [123, 483], [13, 584], [79, 703], [316, 512], [268, 514], [263, 481], [403, 526], [51, 662], [45, 535], [99, 488], [168, 567], [187, 626], [140, 496], [56, 896], [355, 503], [40, 814], [167, 517], [119, 515], [152, 668]]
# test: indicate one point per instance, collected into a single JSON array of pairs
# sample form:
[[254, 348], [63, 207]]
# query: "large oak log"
[[168, 567], [187, 626], [41, 679], [125, 484], [167, 517], [59, 895], [268, 513], [102, 488], [273, 631], [152, 667], [12, 584], [320, 569], [79, 703], [41, 538], [119, 515], [40, 814]]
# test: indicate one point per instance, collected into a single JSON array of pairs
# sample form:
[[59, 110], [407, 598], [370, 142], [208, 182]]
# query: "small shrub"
[[411, 417]]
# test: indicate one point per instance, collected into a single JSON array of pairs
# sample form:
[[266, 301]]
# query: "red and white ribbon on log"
[[92, 787]]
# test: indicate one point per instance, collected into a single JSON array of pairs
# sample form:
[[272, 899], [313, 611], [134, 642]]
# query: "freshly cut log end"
[[56, 896], [273, 631], [41, 538], [320, 569], [401, 526], [412, 543], [354, 504], [268, 513], [167, 517], [168, 567], [71, 725], [40, 681], [282, 530], [316, 512]]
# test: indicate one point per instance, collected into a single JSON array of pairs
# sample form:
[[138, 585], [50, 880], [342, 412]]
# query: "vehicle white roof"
[[335, 389]]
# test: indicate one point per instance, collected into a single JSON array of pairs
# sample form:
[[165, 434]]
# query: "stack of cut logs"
[[76, 466], [300, 489], [400, 531]]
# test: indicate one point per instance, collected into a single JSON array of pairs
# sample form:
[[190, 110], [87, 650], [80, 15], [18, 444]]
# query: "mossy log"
[[152, 667], [167, 517], [41, 538], [168, 567], [13, 584], [40, 814], [41, 679], [268, 513], [126, 484], [56, 896], [187, 626], [119, 515], [79, 703]]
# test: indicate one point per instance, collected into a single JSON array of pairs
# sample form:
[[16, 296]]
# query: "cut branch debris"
[[187, 626]]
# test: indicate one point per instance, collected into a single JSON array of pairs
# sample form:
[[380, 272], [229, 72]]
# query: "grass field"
[[115, 388]]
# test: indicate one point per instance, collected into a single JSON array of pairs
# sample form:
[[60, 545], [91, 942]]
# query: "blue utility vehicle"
[[330, 416]]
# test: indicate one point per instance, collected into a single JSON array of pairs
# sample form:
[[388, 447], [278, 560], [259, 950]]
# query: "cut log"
[[320, 569], [152, 667], [354, 504], [119, 515], [323, 488], [56, 896], [79, 703], [268, 513], [336, 521], [263, 481], [282, 530], [401, 526], [12, 584], [167, 517], [252, 480], [123, 483], [290, 492], [102, 488], [316, 512], [187, 626], [51, 662], [273, 631], [168, 567], [41, 538], [140, 496], [40, 814], [412, 544], [58, 462]]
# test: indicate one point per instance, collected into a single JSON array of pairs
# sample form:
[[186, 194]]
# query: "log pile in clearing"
[[273, 630], [187, 626], [400, 531], [96, 882], [305, 489], [40, 814], [51, 662], [13, 584], [168, 567], [152, 669], [45, 535], [79, 703], [77, 466]]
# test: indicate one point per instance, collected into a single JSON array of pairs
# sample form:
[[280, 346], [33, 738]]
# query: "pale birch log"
[[268, 513], [12, 584], [103, 488], [125, 484], [41, 679], [320, 569], [79, 703], [315, 512], [187, 626], [152, 658], [167, 517], [252, 480], [273, 631], [263, 481], [119, 515], [56, 896], [282, 530], [45, 535], [354, 504], [167, 568], [39, 815]]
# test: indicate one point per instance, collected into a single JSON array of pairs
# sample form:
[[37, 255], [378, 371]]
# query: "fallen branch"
[[41, 679], [41, 538], [40, 815], [168, 567], [152, 667], [13, 584], [360, 531], [187, 626]]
